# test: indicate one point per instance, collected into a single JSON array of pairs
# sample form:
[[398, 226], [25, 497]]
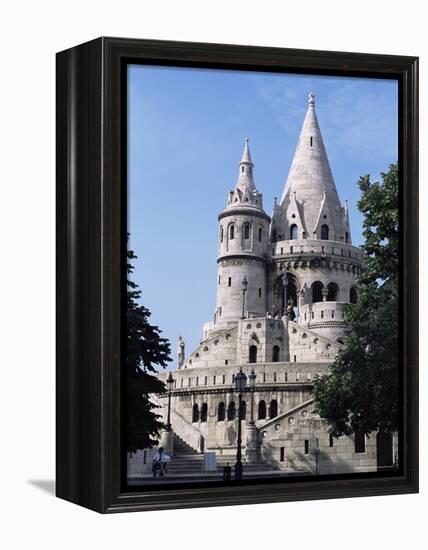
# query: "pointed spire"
[[246, 156], [245, 192], [245, 179], [311, 179]]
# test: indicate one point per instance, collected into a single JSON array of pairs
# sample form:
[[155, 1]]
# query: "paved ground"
[[189, 478]]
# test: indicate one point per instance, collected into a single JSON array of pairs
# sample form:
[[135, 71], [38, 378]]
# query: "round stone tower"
[[310, 241], [242, 251]]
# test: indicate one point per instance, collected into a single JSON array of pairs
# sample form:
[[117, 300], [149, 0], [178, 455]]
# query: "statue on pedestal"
[[181, 351]]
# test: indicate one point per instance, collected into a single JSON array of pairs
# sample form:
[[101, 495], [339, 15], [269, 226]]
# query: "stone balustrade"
[[309, 247]]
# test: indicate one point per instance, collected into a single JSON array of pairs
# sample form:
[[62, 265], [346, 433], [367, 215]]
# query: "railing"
[[310, 247], [181, 426], [186, 430], [322, 312]]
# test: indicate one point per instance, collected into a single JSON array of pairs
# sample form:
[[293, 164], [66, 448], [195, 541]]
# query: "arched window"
[[273, 408], [243, 410], [275, 354], [253, 354], [353, 295], [232, 232], [195, 413], [246, 231], [317, 287], [262, 410], [260, 234], [204, 412], [333, 292], [221, 412], [324, 232], [274, 236], [231, 411], [346, 237], [221, 234], [293, 232]]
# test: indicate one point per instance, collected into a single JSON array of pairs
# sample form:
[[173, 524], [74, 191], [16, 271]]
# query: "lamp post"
[[251, 451], [285, 281], [240, 384], [167, 435], [244, 286], [252, 379], [169, 383]]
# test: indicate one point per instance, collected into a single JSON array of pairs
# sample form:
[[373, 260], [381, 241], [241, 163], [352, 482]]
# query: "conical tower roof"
[[245, 178], [245, 193], [310, 180]]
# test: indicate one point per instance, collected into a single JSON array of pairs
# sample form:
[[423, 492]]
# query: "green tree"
[[360, 393], [146, 350]]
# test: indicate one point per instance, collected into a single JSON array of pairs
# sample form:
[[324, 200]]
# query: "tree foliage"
[[360, 393], [146, 351]]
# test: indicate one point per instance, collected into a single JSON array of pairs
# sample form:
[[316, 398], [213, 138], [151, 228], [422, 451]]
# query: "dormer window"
[[293, 232], [324, 232]]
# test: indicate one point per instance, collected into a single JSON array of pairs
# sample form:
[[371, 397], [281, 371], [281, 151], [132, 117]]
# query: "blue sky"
[[186, 130]]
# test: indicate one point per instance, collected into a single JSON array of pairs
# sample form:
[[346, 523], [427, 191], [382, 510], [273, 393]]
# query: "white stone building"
[[301, 268]]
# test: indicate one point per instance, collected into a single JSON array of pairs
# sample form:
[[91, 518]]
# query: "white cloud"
[[358, 117]]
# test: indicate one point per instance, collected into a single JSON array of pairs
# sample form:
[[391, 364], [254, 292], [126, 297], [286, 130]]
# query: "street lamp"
[[240, 384], [285, 281], [169, 383], [252, 379], [244, 286]]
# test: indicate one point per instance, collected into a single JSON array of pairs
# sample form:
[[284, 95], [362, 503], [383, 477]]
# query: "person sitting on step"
[[160, 460]]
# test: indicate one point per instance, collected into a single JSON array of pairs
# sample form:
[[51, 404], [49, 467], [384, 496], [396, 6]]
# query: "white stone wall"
[[231, 347], [263, 333], [231, 272], [296, 421], [284, 438], [240, 217]]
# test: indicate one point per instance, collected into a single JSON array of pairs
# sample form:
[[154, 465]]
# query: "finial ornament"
[[311, 99]]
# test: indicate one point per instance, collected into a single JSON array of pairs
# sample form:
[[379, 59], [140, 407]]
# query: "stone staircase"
[[188, 461], [181, 447]]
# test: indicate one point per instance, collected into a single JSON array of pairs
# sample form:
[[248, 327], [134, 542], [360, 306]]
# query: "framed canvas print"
[[237, 280]]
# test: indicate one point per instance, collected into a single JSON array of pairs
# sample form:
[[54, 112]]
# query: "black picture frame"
[[91, 229]]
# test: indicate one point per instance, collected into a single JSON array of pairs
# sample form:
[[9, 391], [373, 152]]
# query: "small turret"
[[245, 192], [243, 242]]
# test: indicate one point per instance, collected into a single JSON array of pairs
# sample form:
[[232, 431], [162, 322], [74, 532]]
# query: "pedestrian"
[[160, 460]]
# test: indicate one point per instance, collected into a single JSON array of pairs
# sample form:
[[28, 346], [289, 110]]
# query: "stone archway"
[[278, 305]]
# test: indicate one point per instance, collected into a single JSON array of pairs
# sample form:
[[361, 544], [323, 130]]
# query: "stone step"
[[246, 468], [181, 447], [193, 464]]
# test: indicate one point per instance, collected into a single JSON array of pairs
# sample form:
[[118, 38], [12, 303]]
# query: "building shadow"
[[46, 485]]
